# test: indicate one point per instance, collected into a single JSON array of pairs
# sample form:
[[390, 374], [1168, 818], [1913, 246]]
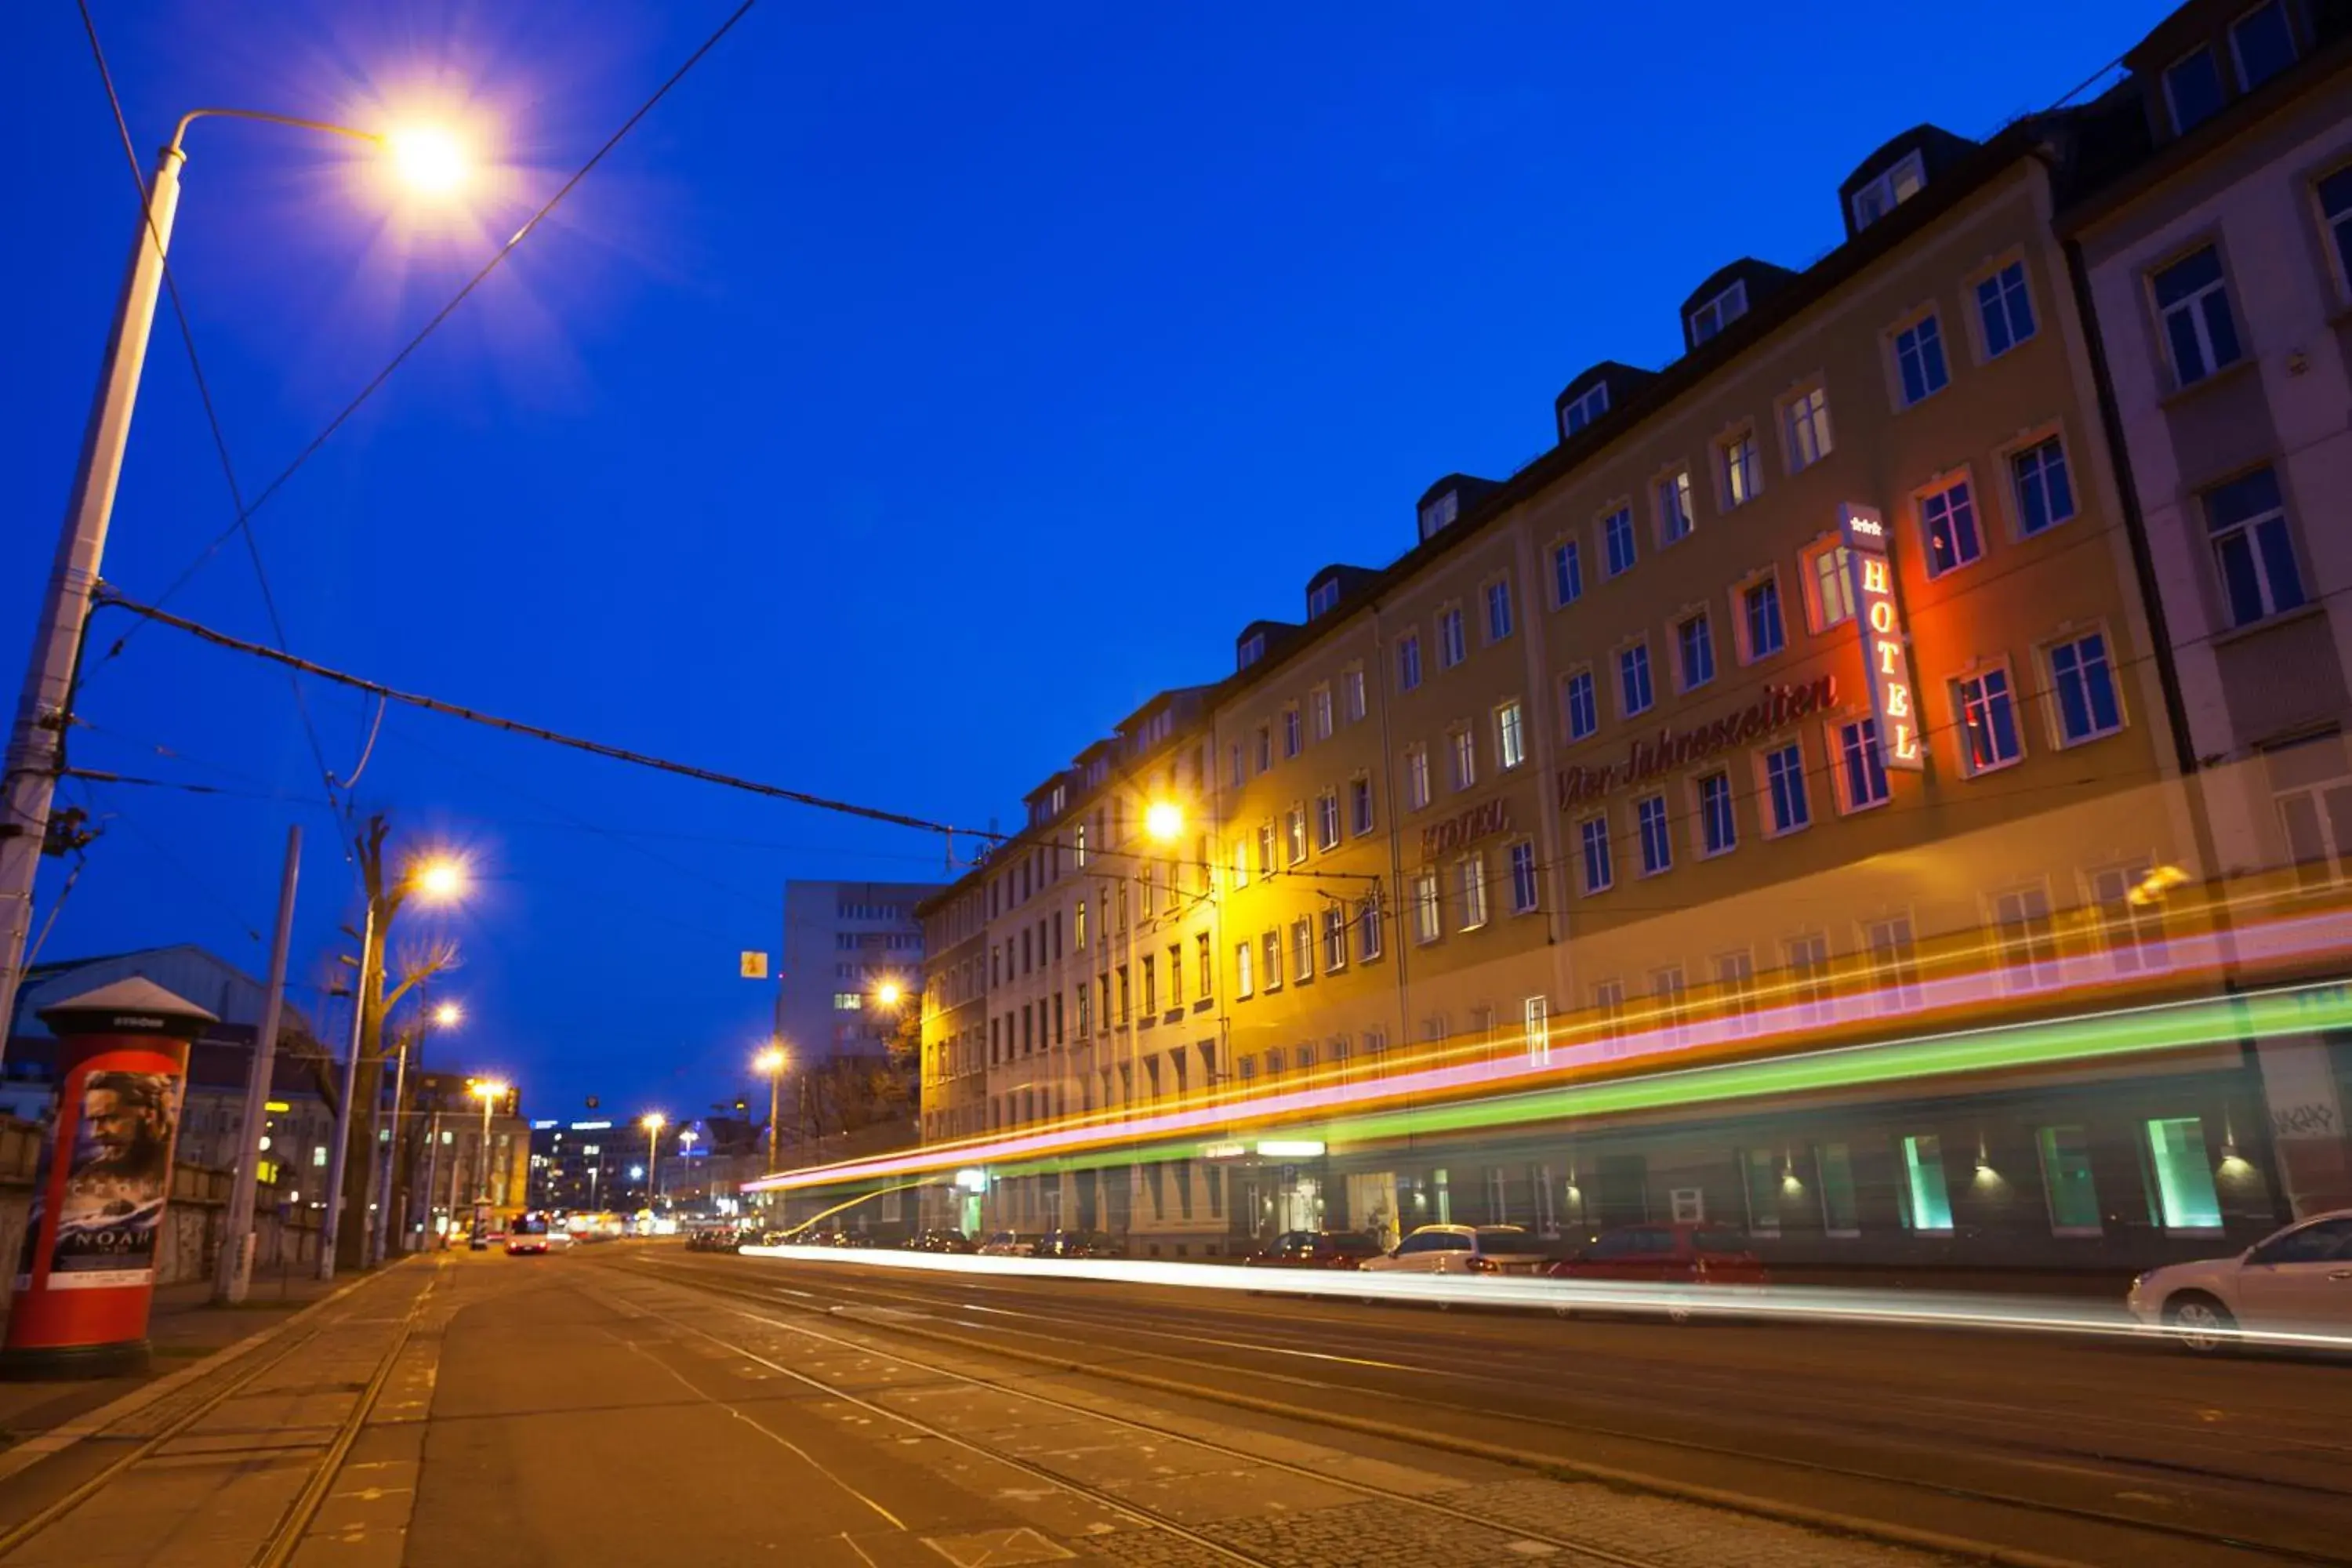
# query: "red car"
[[1686, 1254], [1313, 1249]]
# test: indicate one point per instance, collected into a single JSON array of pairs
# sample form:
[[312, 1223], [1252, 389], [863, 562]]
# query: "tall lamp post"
[[774, 1061], [491, 1094], [448, 1016], [653, 1124], [429, 161], [686, 1152]]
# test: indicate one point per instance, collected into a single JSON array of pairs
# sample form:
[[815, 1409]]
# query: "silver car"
[[1464, 1249], [2298, 1281]]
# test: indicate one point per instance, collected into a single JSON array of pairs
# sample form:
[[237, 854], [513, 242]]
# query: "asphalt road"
[[2094, 1451]]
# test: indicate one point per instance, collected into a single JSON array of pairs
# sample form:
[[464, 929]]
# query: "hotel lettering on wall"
[[1775, 708], [1885, 647], [1481, 821]]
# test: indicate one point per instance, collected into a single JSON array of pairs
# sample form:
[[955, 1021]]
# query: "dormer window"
[[1889, 191], [1252, 649], [1719, 313], [2192, 85], [1438, 512], [1323, 598], [1584, 410], [2262, 42]]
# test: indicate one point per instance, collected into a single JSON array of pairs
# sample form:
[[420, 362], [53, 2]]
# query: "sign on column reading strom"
[[1886, 658]]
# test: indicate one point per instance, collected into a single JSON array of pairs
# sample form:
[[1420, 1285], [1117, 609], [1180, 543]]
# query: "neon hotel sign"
[[1887, 660]]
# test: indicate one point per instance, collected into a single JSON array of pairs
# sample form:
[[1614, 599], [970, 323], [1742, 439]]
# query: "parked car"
[[2297, 1281], [1482, 1249], [954, 1241], [1696, 1253], [1079, 1244], [1011, 1244], [1315, 1249]]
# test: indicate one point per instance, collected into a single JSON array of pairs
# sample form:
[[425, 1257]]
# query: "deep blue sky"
[[918, 390]]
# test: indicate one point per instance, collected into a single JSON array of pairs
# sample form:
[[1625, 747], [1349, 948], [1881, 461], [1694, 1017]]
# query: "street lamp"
[[379, 1233], [652, 1122], [1163, 821], [28, 778], [772, 1061], [490, 1093], [686, 1152], [889, 994]]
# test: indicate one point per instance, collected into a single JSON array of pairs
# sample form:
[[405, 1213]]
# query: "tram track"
[[2124, 1477]]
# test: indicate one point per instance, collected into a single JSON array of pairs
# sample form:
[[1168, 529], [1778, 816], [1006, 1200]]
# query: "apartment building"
[[843, 943], [2213, 228]]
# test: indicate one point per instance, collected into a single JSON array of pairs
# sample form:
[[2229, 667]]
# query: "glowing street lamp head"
[[1163, 820], [428, 159], [771, 1060], [889, 994], [439, 879], [653, 1122], [448, 1016], [489, 1089]]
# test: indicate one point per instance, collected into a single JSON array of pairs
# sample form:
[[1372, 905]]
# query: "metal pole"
[[432, 1169], [653, 1166], [234, 1271], [340, 1159], [35, 740], [775, 1111], [383, 1225], [484, 1160]]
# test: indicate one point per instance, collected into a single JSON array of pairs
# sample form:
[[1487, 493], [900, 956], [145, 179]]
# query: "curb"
[[24, 1456], [1713, 1497]]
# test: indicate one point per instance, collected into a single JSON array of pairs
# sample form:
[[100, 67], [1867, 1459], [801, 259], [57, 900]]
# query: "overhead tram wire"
[[407, 350]]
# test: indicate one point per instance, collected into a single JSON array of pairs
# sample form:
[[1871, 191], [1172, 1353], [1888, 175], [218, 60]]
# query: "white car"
[[1011, 1244], [2297, 1282], [1464, 1249]]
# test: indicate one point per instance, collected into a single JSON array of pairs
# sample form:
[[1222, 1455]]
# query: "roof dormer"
[[2205, 55], [1448, 498], [1257, 639], [1897, 172], [1328, 587], [1728, 295], [1590, 397]]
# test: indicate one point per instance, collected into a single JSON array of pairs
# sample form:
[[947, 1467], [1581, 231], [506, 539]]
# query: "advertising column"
[[87, 1274]]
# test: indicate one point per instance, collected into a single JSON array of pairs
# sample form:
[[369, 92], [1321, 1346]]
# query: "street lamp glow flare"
[[448, 1015], [439, 880], [428, 158], [492, 1090], [1163, 820], [769, 1061], [888, 992]]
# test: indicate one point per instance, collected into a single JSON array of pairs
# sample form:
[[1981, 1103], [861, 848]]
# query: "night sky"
[[918, 390]]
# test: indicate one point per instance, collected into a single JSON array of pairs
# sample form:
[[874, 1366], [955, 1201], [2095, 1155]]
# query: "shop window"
[[1763, 1182], [2066, 1182], [2181, 1186], [1833, 1166], [1926, 1199]]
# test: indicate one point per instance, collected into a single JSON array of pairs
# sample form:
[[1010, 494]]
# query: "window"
[[1269, 975], [1948, 520], [1318, 713], [1580, 412], [2066, 1183], [1695, 645], [1674, 506], [1525, 893], [1592, 840], [1919, 359], [1926, 1200], [1719, 313], [1428, 919], [2045, 496], [1244, 984], [1241, 863], [1293, 834], [1352, 692], [1656, 835], [848, 1001], [2193, 85], [1617, 541], [2133, 927], [1234, 757], [1988, 720], [1578, 709], [1809, 428], [2245, 521], [1302, 952], [1461, 750], [1833, 587], [1416, 777], [1718, 833], [1470, 880], [1359, 806], [2005, 310], [1498, 610], [1510, 737], [1323, 598], [2182, 1192], [1326, 820], [1743, 470], [1890, 190], [1368, 931], [2315, 805], [1840, 1214], [1784, 784], [1252, 649], [1760, 618], [2029, 943], [1893, 962], [1207, 965], [2262, 42], [2193, 300], [1264, 747], [1452, 649], [1335, 937], [2085, 686], [1809, 976], [2336, 211], [1408, 661], [1265, 860], [1440, 511], [1634, 679], [1293, 737], [1568, 569], [1862, 770]]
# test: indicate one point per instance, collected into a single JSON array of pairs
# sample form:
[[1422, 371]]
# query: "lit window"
[[1743, 470], [1318, 713], [2245, 522], [2184, 1198], [848, 1001], [2193, 85], [1525, 894], [1368, 931], [1302, 952], [1833, 587], [2029, 943], [1359, 806], [1498, 610], [1893, 962], [1269, 977], [1294, 835], [1428, 917], [1988, 721], [1890, 190], [1452, 647], [1634, 679], [1335, 937], [1567, 563], [1673, 508], [1243, 982], [2085, 684], [1919, 359], [1695, 642], [2262, 42], [1264, 859], [1948, 518], [1592, 838], [1578, 707], [1416, 777], [2005, 310], [1408, 661], [1926, 1198], [1759, 608], [1655, 834], [1292, 737], [1617, 541], [1265, 752], [2193, 298], [1351, 693], [2045, 496], [1718, 832], [1326, 820], [1861, 769], [1809, 428], [1580, 412], [1470, 877], [1719, 313], [2134, 930], [1510, 737], [1784, 782], [1461, 748]]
